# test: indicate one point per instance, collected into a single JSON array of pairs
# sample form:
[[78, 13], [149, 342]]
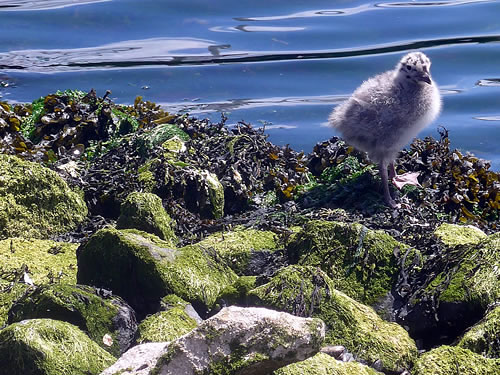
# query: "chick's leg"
[[385, 184]]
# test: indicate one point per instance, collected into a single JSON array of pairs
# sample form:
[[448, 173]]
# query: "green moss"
[[323, 364], [50, 347], [360, 262], [238, 362], [133, 263], [128, 262], [35, 202], [483, 338], [453, 234], [145, 175], [46, 260], [308, 291], [144, 211], [215, 193], [235, 247], [165, 326], [197, 277], [447, 360], [9, 293], [237, 292], [78, 305], [475, 279]]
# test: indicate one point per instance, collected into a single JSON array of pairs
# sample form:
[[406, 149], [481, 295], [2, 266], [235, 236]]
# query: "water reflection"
[[404, 4], [17, 5], [488, 118], [495, 82], [190, 51]]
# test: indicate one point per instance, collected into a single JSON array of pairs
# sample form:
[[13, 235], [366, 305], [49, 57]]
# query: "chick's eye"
[[408, 67]]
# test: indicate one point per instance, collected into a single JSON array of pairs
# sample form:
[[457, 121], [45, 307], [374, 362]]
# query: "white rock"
[[249, 340]]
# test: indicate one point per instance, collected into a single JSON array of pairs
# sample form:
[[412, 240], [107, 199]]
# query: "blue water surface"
[[275, 63]]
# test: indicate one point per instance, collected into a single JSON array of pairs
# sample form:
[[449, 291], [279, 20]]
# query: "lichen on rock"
[[242, 340], [35, 202]]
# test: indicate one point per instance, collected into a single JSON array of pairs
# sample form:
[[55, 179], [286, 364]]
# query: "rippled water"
[[282, 64]]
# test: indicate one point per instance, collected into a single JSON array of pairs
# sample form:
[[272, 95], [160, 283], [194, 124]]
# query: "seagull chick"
[[387, 111]]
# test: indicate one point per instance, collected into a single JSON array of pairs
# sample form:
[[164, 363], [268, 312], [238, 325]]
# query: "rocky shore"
[[136, 241]]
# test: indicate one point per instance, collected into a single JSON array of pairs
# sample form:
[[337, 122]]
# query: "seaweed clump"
[[109, 151]]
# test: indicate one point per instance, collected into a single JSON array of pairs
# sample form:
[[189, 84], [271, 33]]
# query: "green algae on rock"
[[35, 202], [144, 211], [452, 287], [470, 275], [45, 260], [142, 269], [50, 347], [236, 246], [323, 364], [484, 337], [9, 293], [454, 234], [237, 293], [446, 360], [166, 325], [361, 262], [97, 315], [308, 291]]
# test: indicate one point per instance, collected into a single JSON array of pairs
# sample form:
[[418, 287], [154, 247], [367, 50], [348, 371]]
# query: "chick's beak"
[[425, 78]]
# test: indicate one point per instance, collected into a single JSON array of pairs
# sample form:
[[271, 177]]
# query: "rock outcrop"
[[252, 341]]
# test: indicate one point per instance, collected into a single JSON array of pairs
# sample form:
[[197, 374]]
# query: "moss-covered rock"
[[35, 202], [237, 293], [144, 211], [308, 291], [361, 262], [99, 315], [323, 364], [447, 360], [166, 325], [212, 199], [142, 269], [484, 337], [240, 245], [9, 293], [452, 289], [474, 279], [453, 234], [49, 347], [44, 260]]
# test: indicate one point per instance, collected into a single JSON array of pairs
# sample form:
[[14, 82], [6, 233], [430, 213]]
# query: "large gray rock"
[[237, 340]]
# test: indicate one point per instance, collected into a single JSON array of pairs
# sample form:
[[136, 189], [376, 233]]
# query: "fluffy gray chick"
[[387, 111]]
